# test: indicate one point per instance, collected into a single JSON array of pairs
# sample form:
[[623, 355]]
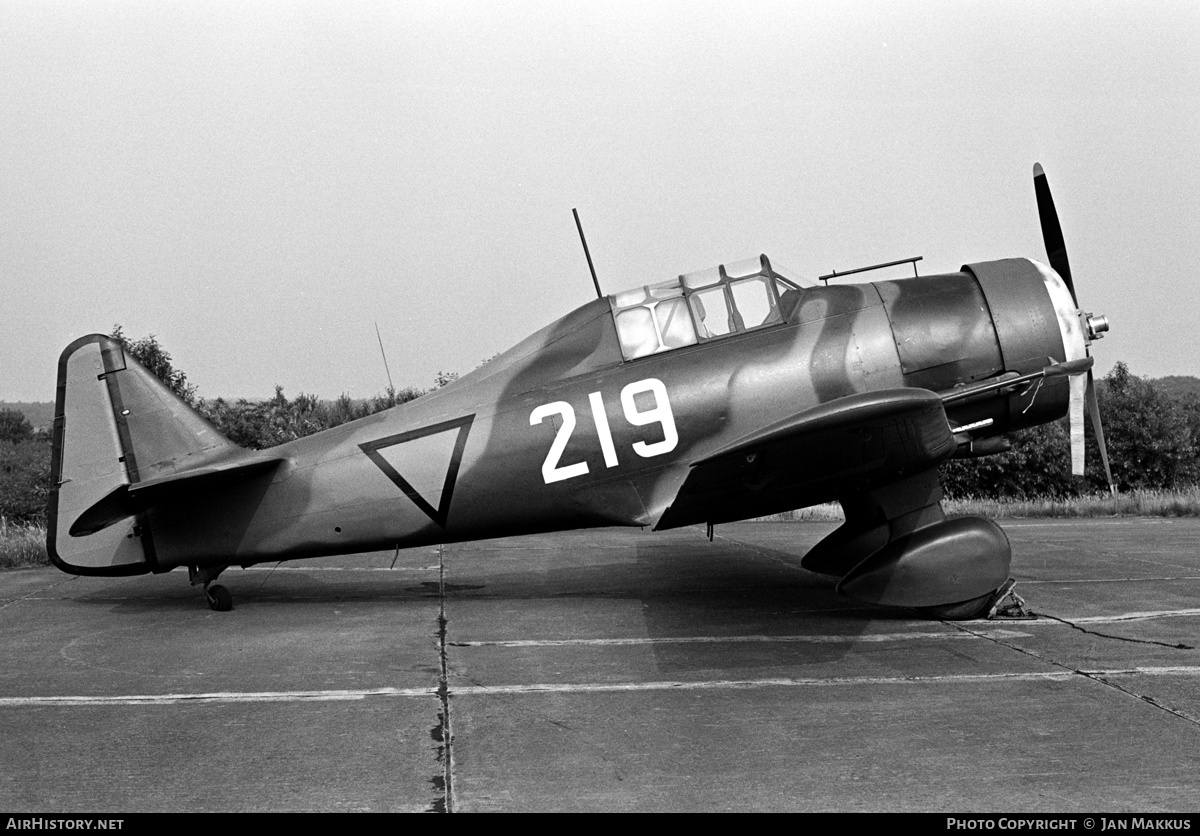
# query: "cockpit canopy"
[[697, 307]]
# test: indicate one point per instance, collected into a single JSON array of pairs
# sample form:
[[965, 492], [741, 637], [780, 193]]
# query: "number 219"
[[660, 414]]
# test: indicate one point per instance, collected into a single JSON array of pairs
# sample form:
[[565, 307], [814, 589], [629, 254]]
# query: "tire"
[[219, 598]]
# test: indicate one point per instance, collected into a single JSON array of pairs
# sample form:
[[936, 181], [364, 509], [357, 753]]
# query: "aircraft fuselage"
[[562, 432]]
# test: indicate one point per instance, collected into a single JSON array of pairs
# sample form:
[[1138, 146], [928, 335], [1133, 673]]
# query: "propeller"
[[1083, 385]]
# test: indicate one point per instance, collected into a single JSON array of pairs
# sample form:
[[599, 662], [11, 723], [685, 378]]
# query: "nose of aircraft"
[[1036, 324], [1091, 327], [1073, 327]]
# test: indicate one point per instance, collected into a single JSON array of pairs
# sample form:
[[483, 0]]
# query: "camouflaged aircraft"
[[719, 395]]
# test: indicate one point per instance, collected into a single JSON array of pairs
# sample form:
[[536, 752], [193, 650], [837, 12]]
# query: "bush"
[[262, 424], [1152, 439], [155, 358], [1153, 442], [14, 426], [1038, 465], [25, 480]]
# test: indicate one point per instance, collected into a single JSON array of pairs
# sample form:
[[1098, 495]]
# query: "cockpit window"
[[754, 301], [713, 315], [651, 319], [697, 307]]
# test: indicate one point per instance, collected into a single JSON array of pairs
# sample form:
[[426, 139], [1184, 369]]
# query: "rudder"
[[115, 424]]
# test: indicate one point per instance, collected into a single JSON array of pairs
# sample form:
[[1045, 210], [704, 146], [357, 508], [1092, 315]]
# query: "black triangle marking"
[[439, 514]]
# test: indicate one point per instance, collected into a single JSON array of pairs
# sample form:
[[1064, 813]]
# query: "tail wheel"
[[219, 598]]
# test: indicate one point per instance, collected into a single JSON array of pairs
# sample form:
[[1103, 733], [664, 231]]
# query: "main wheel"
[[219, 598]]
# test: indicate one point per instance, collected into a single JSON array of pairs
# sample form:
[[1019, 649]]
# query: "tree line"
[[1153, 437]]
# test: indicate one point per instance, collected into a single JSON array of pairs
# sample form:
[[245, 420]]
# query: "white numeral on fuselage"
[[660, 414], [551, 472]]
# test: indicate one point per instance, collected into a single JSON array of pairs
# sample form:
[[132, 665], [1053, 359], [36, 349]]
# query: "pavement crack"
[[1091, 675], [1177, 646], [37, 592], [443, 733]]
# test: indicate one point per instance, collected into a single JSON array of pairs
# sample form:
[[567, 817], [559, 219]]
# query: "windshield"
[[700, 306]]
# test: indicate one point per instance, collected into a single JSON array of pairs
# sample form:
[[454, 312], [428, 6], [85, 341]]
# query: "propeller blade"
[[1093, 407], [1078, 385], [1082, 390], [1056, 248]]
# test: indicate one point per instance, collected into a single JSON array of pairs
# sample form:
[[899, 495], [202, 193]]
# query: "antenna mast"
[[595, 281]]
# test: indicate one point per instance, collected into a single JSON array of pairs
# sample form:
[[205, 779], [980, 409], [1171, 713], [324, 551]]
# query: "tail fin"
[[115, 425]]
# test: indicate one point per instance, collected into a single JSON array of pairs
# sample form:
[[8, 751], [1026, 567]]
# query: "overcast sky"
[[258, 184]]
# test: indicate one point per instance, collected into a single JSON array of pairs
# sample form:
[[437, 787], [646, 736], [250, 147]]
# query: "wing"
[[815, 455]]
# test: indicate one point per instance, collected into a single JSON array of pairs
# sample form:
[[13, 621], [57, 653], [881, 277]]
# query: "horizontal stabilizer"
[[127, 500]]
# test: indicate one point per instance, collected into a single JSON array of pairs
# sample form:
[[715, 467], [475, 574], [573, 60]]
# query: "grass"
[[1137, 503], [22, 544]]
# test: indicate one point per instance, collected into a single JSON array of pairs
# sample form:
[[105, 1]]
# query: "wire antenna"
[[595, 281], [385, 363]]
